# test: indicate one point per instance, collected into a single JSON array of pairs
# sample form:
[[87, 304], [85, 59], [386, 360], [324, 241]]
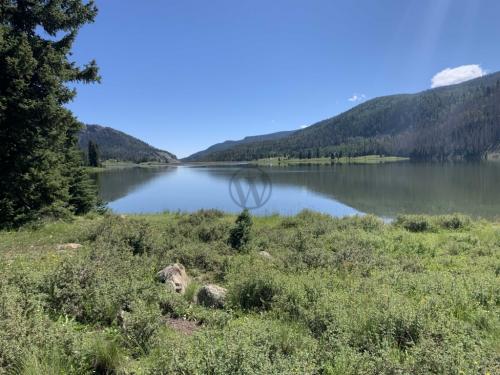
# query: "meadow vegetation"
[[365, 159], [332, 296]]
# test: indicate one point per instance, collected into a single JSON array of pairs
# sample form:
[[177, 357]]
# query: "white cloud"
[[304, 126], [357, 98], [452, 76]]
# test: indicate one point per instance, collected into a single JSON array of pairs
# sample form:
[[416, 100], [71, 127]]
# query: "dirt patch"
[[186, 327]]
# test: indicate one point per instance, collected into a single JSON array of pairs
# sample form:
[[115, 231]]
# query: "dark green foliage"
[[414, 223], [254, 292], [454, 221], [93, 155], [140, 327], [116, 145], [454, 122], [202, 155], [39, 166], [421, 223], [241, 231]]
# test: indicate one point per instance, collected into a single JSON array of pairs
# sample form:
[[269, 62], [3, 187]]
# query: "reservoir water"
[[385, 190]]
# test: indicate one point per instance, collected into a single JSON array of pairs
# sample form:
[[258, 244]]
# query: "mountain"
[[114, 144], [454, 122], [202, 155]]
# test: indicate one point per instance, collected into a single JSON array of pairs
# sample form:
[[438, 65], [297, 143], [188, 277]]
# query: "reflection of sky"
[[190, 189]]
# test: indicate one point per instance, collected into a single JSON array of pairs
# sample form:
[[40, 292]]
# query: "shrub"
[[255, 294], [454, 221], [133, 234], [140, 327], [104, 355], [239, 235], [50, 362], [253, 285], [212, 232], [414, 223], [244, 346], [93, 288]]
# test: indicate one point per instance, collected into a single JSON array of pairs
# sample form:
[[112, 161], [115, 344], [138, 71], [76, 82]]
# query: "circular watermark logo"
[[250, 188]]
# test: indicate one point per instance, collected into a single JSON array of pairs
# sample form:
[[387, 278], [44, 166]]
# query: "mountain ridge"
[[117, 145], [231, 143], [459, 121]]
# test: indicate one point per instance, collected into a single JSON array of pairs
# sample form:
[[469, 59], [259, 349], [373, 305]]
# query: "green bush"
[[414, 223], [94, 288], [104, 355], [140, 327], [244, 346], [240, 233], [252, 286], [455, 221]]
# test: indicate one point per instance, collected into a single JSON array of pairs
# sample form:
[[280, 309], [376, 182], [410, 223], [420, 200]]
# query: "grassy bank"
[[368, 159], [329, 296], [112, 164]]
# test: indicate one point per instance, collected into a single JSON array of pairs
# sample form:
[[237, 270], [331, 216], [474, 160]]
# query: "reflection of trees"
[[393, 188], [116, 183]]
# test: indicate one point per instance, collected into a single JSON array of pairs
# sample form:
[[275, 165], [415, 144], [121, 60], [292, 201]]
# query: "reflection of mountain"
[[395, 188], [116, 183], [390, 189]]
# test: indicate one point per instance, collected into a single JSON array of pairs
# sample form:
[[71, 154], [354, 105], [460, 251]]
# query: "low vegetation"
[[366, 159], [308, 294]]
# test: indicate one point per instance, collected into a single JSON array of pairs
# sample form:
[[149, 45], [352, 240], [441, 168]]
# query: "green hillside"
[[226, 145], [114, 144], [454, 122]]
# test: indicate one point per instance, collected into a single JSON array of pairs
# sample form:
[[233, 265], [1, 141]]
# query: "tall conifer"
[[40, 169]]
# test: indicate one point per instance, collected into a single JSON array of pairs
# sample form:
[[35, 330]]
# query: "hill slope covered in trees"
[[201, 155], [114, 144], [454, 122]]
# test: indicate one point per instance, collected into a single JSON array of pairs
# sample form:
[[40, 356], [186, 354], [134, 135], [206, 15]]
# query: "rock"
[[174, 276], [265, 254], [121, 318], [211, 295], [71, 246]]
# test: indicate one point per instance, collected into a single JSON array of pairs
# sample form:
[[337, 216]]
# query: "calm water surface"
[[384, 189]]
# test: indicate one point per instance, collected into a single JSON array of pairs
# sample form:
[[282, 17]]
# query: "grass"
[[339, 296], [115, 164], [368, 159]]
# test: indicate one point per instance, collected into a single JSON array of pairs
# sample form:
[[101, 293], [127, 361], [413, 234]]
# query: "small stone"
[[211, 295], [71, 246], [265, 254], [175, 277]]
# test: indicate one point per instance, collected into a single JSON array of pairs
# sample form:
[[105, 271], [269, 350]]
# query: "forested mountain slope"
[[454, 122], [201, 155], [114, 144]]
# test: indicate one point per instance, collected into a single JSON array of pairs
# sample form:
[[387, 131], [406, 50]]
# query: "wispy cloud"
[[357, 98], [452, 76]]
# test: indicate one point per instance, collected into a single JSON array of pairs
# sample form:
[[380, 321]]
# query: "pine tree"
[[40, 169], [93, 152], [240, 233]]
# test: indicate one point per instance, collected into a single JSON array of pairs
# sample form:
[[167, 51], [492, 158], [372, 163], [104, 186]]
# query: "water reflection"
[[384, 190]]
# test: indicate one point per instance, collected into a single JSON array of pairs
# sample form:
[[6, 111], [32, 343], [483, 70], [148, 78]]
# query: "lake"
[[385, 190]]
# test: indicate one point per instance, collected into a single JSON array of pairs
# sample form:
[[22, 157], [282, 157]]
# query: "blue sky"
[[184, 74]]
